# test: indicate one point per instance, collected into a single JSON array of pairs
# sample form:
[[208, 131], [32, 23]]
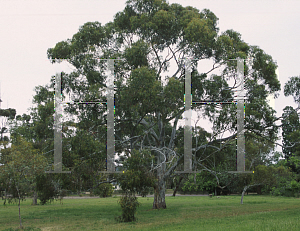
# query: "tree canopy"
[[149, 102]]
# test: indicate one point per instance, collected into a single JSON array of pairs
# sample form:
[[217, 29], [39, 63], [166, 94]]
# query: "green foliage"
[[136, 55], [290, 134], [10, 194], [37, 126], [61, 51], [142, 87], [228, 43], [258, 151], [45, 189], [200, 183], [129, 205], [199, 28], [291, 127], [277, 181], [89, 35], [137, 177], [21, 164], [264, 174], [286, 184], [148, 35], [104, 190], [266, 179], [289, 189], [265, 67], [292, 88], [10, 113], [84, 148]]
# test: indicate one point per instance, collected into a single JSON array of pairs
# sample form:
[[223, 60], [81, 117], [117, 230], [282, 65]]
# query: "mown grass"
[[182, 213]]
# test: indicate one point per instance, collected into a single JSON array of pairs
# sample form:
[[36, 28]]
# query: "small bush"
[[288, 189], [295, 186], [104, 190], [45, 189], [202, 183], [129, 206], [276, 191]]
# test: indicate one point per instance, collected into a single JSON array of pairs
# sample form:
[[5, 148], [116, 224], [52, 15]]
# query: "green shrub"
[[129, 204], [295, 187], [104, 190], [288, 189], [209, 185], [45, 189], [277, 191], [204, 182]]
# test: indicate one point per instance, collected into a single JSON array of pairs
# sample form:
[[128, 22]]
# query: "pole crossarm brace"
[[239, 100], [110, 145]]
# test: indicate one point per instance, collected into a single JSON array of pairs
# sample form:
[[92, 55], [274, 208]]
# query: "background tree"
[[37, 127], [83, 149], [291, 126], [5, 115], [263, 175], [149, 104], [21, 164], [286, 183], [290, 130], [291, 88]]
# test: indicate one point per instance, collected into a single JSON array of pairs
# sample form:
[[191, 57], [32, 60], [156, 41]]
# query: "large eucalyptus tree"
[[149, 36]]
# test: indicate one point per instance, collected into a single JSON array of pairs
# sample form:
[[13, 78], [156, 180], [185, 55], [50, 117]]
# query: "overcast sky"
[[29, 27]]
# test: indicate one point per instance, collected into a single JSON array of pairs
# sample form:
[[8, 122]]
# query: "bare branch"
[[171, 169], [174, 131]]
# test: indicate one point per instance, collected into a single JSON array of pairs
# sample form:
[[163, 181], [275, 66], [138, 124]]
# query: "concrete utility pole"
[[110, 144], [239, 100]]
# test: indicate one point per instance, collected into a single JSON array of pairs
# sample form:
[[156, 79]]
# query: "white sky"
[[28, 28]]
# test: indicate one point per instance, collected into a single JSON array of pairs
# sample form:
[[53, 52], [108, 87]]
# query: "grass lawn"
[[182, 213]]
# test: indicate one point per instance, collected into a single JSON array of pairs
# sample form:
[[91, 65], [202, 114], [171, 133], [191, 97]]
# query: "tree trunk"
[[245, 189], [160, 189], [34, 199], [243, 193], [258, 190], [159, 195], [5, 197], [21, 226], [177, 186]]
